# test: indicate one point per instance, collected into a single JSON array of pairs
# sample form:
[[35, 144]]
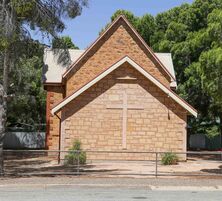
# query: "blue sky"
[[84, 29]]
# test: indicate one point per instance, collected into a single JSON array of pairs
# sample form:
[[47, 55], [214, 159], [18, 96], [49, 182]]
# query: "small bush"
[[169, 159], [72, 157]]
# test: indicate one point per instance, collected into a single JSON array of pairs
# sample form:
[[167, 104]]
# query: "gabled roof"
[[166, 90], [54, 69], [121, 17]]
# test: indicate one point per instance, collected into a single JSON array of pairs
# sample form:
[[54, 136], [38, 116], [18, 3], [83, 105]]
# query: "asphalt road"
[[103, 193]]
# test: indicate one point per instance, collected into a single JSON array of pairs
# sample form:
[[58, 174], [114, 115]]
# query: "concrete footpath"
[[107, 189], [105, 194], [151, 183]]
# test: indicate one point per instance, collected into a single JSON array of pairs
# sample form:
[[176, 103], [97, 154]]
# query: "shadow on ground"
[[213, 171], [40, 167], [25, 166]]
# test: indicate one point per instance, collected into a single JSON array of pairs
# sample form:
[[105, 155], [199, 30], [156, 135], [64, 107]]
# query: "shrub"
[[169, 159], [72, 157]]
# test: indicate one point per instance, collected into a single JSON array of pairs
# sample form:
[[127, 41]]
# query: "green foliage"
[[64, 42], [75, 154], [28, 103], [215, 27], [213, 131], [211, 74], [176, 32], [45, 15], [146, 26], [169, 159], [132, 19], [23, 8], [27, 106]]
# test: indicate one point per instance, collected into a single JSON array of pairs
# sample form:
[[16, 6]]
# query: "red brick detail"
[[54, 95]]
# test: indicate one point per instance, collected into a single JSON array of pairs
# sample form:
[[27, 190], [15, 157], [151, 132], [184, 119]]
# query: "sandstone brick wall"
[[54, 95], [160, 126], [116, 44]]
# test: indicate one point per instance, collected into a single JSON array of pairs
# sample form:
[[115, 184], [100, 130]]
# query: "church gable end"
[[124, 110], [119, 41], [118, 96]]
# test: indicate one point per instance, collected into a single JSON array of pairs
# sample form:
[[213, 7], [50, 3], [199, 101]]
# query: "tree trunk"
[[7, 16], [2, 127], [3, 106]]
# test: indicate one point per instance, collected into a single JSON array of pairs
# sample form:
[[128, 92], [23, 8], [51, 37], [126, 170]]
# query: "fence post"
[[156, 171], [78, 162]]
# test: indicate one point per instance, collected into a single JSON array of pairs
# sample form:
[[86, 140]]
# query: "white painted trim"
[[138, 68]]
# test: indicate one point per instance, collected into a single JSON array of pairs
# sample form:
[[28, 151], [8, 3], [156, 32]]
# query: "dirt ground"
[[137, 169]]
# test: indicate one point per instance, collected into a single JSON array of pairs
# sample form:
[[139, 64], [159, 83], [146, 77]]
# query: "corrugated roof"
[[167, 61], [57, 62]]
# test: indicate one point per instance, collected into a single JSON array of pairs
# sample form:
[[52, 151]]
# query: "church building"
[[115, 96]]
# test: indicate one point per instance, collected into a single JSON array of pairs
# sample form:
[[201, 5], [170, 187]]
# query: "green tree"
[[146, 26], [215, 27], [14, 15], [27, 106], [211, 76]]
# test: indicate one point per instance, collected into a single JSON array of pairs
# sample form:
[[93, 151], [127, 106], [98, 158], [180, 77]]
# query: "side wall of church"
[[159, 126], [54, 95]]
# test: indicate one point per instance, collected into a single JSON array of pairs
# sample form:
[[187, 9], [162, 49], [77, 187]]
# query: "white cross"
[[125, 107]]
